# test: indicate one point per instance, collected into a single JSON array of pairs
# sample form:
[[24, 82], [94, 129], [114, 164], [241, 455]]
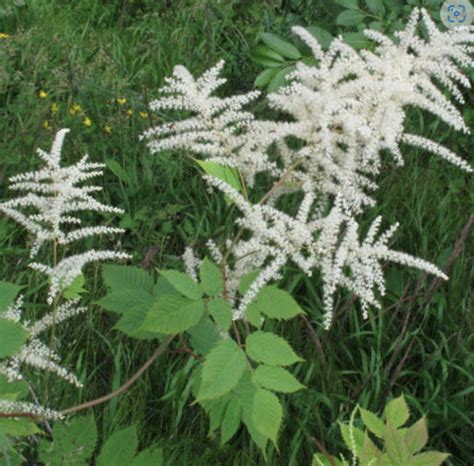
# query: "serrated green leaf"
[[230, 421], [152, 456], [18, 427], [430, 458], [282, 47], [276, 379], [122, 277], [372, 422], [351, 4], [228, 174], [172, 314], [350, 18], [76, 288], [204, 336], [215, 409], [357, 435], [270, 349], [396, 412], [416, 436], [267, 414], [12, 337], [277, 304], [183, 283], [253, 315], [132, 321], [121, 301], [222, 370], [163, 286], [323, 37], [395, 445], [247, 280], [369, 452], [12, 390], [265, 77], [211, 278], [221, 312], [119, 449], [8, 292]]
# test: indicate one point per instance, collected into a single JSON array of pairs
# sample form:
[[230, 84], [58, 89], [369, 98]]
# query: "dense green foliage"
[[92, 66]]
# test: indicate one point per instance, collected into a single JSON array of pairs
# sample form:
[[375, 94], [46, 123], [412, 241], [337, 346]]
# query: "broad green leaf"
[[416, 436], [221, 312], [8, 292], [267, 414], [372, 422], [276, 303], [222, 370], [350, 18], [119, 449], [265, 77], [18, 427], [276, 379], [357, 435], [430, 458], [163, 286], [211, 278], [132, 321], [324, 37], [396, 412], [376, 7], [284, 48], [253, 315], [152, 456], [351, 4], [230, 421], [117, 170], [271, 349], [76, 288], [279, 80], [247, 280], [12, 337], [121, 301], [267, 57], [395, 445], [369, 452], [12, 390], [228, 174], [356, 40], [204, 336], [120, 277], [216, 409], [183, 283], [171, 314]]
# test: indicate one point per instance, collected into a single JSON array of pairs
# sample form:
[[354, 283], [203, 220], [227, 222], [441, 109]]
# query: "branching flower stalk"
[[344, 112], [48, 206]]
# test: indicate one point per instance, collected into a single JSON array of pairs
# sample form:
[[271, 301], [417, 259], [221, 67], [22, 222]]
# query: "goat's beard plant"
[[48, 210]]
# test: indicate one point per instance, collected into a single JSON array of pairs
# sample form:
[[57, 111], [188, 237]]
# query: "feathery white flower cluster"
[[344, 112], [53, 192]]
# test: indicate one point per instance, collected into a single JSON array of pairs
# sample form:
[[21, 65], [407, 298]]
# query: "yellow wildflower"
[[129, 112], [42, 94], [45, 124], [121, 100], [4, 35], [87, 121], [75, 108], [144, 114], [107, 129], [54, 108]]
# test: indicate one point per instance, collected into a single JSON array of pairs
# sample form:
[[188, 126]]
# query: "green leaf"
[[228, 174], [120, 277], [372, 422], [76, 288], [281, 46], [351, 4], [430, 458], [211, 278], [323, 37], [204, 336], [247, 280], [163, 286], [117, 170], [267, 57], [279, 80], [12, 337], [171, 314], [152, 456], [221, 312], [12, 390], [265, 77], [132, 321], [356, 40], [416, 436], [369, 451], [276, 379], [350, 18], [396, 412], [253, 315], [119, 449], [395, 445], [183, 283], [121, 301], [267, 414], [277, 304], [357, 435], [271, 349], [222, 370], [18, 427], [376, 7], [230, 421], [8, 292]]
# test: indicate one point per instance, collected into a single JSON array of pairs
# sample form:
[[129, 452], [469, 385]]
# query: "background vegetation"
[[92, 66]]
